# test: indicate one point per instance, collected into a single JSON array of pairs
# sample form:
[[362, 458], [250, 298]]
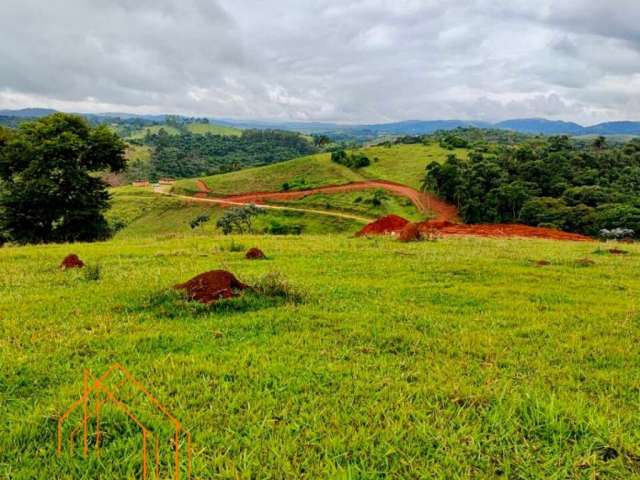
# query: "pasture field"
[[151, 129], [360, 202], [459, 358], [144, 213], [399, 163], [138, 152], [213, 129], [405, 163], [300, 173]]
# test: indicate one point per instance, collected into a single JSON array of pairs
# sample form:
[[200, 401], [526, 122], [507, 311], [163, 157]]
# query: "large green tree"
[[50, 190]]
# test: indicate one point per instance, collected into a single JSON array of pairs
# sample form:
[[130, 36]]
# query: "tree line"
[[551, 182], [190, 155]]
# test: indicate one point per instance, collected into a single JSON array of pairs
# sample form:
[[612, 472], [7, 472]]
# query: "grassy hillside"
[[305, 172], [399, 163], [360, 203], [154, 129], [138, 153], [452, 359], [405, 163], [203, 128], [144, 213]]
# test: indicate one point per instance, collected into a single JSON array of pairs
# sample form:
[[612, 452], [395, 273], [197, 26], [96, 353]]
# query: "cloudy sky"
[[326, 60]]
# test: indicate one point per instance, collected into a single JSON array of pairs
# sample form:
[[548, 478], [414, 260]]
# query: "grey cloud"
[[338, 60]]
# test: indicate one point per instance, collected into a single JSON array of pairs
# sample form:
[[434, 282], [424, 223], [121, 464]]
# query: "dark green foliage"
[[581, 188], [350, 160], [238, 219], [48, 192], [277, 228], [190, 155], [199, 220]]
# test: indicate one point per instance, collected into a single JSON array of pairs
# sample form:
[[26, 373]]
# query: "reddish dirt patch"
[[211, 286], [71, 261], [543, 263], [501, 230], [585, 262], [410, 233], [617, 251], [255, 254], [436, 228], [391, 224]]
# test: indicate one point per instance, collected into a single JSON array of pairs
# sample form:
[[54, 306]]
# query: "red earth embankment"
[[446, 228]]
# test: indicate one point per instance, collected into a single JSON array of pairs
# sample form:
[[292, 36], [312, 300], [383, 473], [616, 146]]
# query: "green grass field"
[[204, 128], [458, 358], [145, 214], [405, 163], [400, 163], [151, 129], [300, 173], [138, 152], [197, 128], [359, 203]]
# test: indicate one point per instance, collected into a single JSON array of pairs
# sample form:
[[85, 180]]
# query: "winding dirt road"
[[426, 203]]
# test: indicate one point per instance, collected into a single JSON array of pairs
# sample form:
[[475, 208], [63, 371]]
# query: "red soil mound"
[[211, 286], [410, 233], [499, 230], [71, 261], [384, 225], [255, 254]]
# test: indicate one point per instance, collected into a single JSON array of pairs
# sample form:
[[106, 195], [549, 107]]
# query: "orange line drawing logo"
[[112, 389]]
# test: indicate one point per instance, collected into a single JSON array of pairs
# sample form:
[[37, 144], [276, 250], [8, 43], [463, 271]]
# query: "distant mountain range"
[[409, 127]]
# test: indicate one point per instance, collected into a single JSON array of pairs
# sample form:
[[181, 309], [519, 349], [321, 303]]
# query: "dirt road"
[[425, 202], [227, 202]]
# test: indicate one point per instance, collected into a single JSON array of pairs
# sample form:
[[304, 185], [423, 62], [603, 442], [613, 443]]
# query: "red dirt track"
[[445, 221], [426, 203]]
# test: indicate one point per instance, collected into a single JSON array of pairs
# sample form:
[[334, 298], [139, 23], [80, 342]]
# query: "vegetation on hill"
[[298, 174], [188, 155], [48, 192], [550, 183], [139, 212]]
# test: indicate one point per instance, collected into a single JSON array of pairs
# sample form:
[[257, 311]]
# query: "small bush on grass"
[[232, 246], [276, 285], [92, 273]]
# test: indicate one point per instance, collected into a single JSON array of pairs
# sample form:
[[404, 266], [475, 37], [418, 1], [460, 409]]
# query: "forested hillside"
[[554, 182]]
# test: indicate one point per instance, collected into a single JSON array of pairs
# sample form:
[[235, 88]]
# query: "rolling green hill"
[[143, 213], [404, 163], [300, 173], [204, 128], [399, 163]]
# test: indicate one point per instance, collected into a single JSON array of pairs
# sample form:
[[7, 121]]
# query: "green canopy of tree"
[[49, 189]]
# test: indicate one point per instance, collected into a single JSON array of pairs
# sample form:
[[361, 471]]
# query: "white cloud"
[[333, 60]]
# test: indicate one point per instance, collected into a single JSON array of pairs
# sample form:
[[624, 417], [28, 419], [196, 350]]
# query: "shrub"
[[277, 228], [199, 220], [232, 246], [276, 285], [92, 273]]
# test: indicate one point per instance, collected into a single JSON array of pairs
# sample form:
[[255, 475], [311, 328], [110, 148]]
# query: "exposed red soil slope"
[[500, 230], [410, 233], [211, 286], [71, 261], [255, 254], [391, 224], [444, 228], [425, 202]]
